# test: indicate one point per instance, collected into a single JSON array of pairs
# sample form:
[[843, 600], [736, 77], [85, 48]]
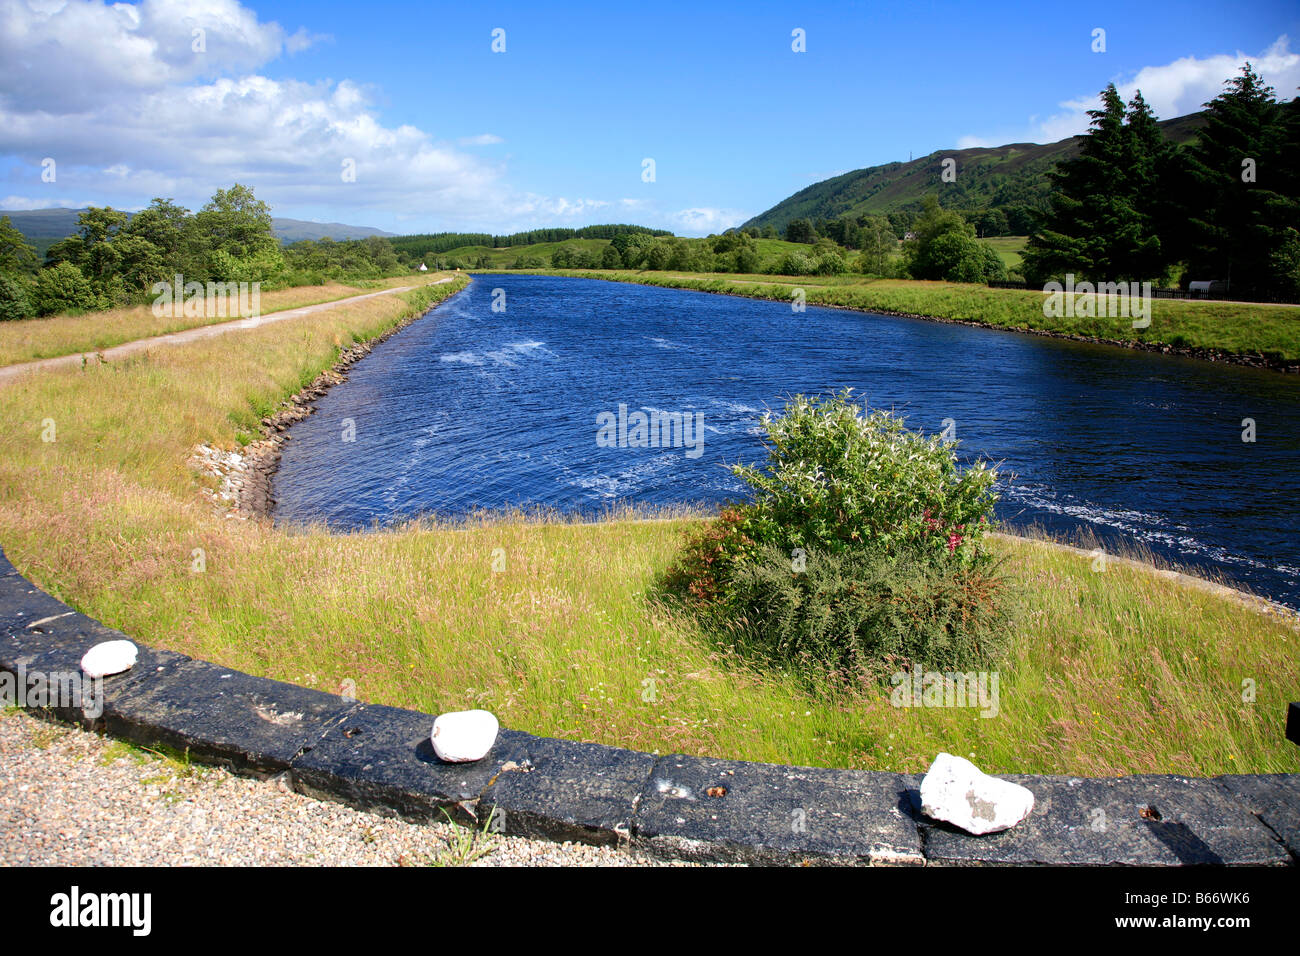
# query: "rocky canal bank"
[[245, 476]]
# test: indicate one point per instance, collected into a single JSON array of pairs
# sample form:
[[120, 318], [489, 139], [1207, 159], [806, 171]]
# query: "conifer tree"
[[1238, 211]]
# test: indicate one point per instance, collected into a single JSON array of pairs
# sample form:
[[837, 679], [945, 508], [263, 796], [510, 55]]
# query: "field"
[[1111, 672], [29, 339], [1008, 249]]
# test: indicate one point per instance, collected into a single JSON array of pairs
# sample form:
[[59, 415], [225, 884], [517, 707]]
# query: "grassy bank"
[[29, 339], [1112, 672], [1272, 331]]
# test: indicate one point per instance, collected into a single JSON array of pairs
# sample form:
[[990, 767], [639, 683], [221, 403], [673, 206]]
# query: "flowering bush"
[[862, 547], [838, 477]]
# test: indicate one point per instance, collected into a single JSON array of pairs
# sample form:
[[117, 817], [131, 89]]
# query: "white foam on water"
[[1141, 525], [464, 358], [528, 348]]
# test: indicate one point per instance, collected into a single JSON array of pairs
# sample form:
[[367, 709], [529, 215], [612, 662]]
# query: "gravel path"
[[10, 372], [71, 798]]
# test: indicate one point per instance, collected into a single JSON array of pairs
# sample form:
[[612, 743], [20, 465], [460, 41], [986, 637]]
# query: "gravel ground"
[[68, 797]]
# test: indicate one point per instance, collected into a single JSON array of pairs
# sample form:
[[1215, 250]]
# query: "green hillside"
[[998, 177]]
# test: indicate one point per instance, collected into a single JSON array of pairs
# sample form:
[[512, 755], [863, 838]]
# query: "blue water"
[[470, 408]]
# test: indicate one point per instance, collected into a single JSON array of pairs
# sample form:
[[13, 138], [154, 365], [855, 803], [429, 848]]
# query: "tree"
[[62, 288], [747, 259], [236, 226], [800, 230], [1094, 227], [991, 222], [98, 227], [16, 256], [1239, 212], [171, 230], [14, 303], [945, 248], [877, 241], [139, 264]]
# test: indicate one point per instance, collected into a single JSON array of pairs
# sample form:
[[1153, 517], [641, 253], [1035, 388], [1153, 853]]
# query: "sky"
[[404, 117]]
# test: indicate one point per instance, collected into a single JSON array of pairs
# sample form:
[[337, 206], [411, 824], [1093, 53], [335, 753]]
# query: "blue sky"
[[445, 134]]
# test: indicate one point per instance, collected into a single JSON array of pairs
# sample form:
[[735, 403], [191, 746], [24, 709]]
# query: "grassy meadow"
[[1008, 249], [29, 339], [1110, 673]]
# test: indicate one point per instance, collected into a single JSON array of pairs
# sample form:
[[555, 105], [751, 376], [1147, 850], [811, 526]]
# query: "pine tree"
[[1238, 211], [1091, 227], [1152, 162]]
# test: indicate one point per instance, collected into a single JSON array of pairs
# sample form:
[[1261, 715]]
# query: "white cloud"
[[704, 220], [73, 55], [118, 97], [1173, 89], [24, 202]]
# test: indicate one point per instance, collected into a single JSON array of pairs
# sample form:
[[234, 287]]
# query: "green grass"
[[1109, 673], [1008, 249], [1247, 329], [29, 339]]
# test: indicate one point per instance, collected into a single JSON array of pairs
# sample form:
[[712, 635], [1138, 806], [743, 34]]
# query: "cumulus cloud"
[[123, 101], [1173, 89], [703, 220], [68, 55]]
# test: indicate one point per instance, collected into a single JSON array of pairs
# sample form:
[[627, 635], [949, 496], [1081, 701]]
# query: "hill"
[[44, 227], [997, 177]]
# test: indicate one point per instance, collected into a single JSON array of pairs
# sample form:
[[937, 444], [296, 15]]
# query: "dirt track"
[[11, 372]]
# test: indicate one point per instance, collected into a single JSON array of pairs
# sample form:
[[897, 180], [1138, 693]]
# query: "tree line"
[[420, 248], [115, 258], [1133, 206]]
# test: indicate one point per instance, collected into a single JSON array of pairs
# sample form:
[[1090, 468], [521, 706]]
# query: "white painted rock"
[[109, 657], [958, 792], [464, 735]]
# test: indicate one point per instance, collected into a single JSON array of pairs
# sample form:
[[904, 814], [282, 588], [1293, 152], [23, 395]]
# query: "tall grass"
[[1108, 673], [29, 339]]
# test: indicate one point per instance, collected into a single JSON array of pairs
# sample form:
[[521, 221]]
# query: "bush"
[[702, 574], [864, 614], [796, 264], [14, 303], [860, 554], [831, 264], [837, 477], [62, 288]]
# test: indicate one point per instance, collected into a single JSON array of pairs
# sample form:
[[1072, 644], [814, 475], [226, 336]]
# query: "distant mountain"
[[44, 227], [292, 230], [987, 178]]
